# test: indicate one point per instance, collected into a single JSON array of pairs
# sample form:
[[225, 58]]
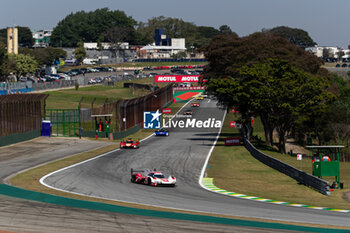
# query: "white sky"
[[325, 20]]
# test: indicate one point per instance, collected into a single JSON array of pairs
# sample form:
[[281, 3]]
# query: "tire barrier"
[[302, 177]]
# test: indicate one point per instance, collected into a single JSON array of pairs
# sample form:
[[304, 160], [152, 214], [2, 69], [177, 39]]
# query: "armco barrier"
[[302, 177], [20, 137]]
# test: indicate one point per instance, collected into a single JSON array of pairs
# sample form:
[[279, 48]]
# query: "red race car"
[[129, 143], [195, 104], [153, 178]]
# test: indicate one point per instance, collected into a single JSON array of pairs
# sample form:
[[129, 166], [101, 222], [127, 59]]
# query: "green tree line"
[[268, 76]]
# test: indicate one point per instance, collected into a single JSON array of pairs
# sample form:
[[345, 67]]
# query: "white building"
[[42, 38], [327, 51], [94, 45], [163, 51]]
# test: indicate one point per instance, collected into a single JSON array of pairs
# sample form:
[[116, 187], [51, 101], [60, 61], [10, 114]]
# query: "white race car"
[[155, 178]]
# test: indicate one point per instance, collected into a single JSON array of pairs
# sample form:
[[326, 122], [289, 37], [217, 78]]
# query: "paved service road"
[[182, 154]]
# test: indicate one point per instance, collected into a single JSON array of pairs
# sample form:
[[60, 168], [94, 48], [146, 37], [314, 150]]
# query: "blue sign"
[[151, 120]]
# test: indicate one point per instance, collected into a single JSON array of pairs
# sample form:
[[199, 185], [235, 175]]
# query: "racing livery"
[[195, 104], [188, 112], [153, 178], [161, 132], [129, 143]]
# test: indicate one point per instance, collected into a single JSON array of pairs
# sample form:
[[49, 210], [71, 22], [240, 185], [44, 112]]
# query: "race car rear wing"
[[132, 171]]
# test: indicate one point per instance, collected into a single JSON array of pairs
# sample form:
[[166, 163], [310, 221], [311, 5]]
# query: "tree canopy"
[[80, 53], [265, 75], [88, 26], [2, 59], [295, 36], [45, 56], [227, 53], [197, 36], [23, 64]]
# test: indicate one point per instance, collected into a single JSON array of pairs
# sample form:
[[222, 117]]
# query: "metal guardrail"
[[302, 177]]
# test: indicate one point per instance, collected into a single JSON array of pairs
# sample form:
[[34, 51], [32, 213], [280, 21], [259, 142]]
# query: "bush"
[[76, 86]]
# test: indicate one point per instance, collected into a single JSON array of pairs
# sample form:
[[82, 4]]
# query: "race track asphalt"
[[182, 154], [21, 215]]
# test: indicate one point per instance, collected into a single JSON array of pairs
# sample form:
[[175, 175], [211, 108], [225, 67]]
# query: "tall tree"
[[227, 54], [225, 29], [88, 26], [296, 36], [24, 64], [115, 36], [79, 52], [3, 58]]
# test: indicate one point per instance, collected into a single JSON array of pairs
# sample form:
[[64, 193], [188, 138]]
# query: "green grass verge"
[[69, 98], [234, 169]]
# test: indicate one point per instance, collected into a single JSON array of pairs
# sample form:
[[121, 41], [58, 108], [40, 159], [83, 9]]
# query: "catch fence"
[[20, 113], [126, 114]]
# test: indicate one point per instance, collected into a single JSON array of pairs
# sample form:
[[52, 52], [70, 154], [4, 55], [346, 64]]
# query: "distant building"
[[326, 51], [42, 38], [105, 45], [163, 47]]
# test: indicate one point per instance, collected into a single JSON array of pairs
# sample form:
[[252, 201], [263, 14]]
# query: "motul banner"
[[234, 141], [187, 88], [166, 110], [176, 78]]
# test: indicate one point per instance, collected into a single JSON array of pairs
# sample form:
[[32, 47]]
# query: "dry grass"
[[234, 169]]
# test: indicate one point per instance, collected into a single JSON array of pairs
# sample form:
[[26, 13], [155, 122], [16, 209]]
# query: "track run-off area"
[[182, 154]]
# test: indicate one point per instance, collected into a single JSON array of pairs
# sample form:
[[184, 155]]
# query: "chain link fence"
[[126, 116]]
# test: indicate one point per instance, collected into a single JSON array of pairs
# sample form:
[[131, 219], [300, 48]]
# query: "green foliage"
[[25, 37], [279, 93], [296, 36], [88, 26], [227, 53], [116, 35], [197, 36], [80, 53], [226, 30], [3, 58], [45, 56], [24, 64]]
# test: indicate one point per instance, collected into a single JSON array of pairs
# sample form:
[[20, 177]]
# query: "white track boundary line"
[[85, 161], [210, 152], [244, 196]]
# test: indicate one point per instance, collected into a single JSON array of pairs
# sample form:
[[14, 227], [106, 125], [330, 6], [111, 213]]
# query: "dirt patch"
[[346, 196]]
